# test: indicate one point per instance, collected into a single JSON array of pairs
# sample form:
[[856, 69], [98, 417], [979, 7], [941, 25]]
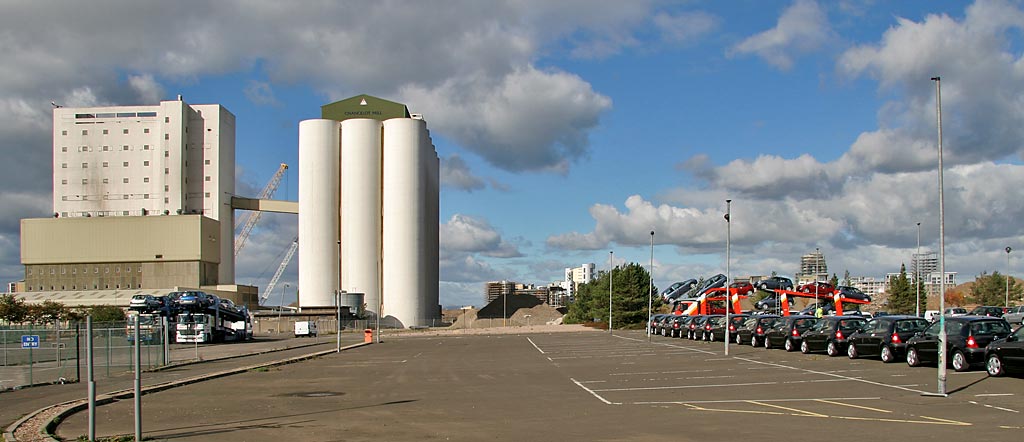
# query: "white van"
[[305, 328]]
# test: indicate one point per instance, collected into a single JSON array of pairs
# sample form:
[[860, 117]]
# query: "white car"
[[931, 315], [956, 311], [1015, 315]]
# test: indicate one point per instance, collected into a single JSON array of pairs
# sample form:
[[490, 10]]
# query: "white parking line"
[[880, 384], [746, 384], [606, 401], [993, 394], [733, 401], [660, 372], [535, 346], [995, 407]]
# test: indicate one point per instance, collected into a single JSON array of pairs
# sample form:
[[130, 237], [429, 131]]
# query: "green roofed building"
[[363, 106]]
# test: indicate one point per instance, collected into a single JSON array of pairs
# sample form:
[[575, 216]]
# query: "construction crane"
[[280, 270], [254, 216]]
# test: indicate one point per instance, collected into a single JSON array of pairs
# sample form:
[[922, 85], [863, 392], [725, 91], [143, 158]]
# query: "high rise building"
[[812, 268], [168, 159], [576, 276]]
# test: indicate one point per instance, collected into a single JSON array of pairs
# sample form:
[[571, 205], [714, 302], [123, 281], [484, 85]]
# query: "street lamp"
[[611, 270], [917, 272], [942, 248], [728, 270], [280, 307], [1008, 276], [650, 290]]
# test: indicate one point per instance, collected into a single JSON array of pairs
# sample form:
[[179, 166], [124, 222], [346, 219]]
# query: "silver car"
[[1015, 315]]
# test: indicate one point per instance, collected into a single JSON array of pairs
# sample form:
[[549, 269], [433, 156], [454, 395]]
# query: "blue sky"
[[569, 129]]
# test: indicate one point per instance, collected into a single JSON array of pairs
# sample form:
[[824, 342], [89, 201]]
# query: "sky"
[[571, 129]]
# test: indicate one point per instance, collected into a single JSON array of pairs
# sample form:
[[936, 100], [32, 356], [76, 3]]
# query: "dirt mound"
[[540, 314]]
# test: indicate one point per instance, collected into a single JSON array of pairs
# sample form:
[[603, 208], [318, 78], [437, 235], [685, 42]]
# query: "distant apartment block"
[[496, 289], [576, 276]]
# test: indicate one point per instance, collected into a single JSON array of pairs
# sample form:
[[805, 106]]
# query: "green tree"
[[12, 309], [106, 313], [991, 289], [629, 298], [47, 312], [834, 281], [902, 294], [846, 278]]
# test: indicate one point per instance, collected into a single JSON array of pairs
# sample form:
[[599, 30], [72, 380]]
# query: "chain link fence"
[[61, 352]]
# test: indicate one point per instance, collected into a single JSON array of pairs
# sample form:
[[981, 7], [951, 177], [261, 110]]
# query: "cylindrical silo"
[[405, 213], [318, 212], [433, 250], [361, 208]]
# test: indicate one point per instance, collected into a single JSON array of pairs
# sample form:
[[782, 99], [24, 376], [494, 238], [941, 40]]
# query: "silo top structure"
[[363, 106]]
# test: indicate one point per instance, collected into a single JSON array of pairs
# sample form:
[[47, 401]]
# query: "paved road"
[[574, 386], [15, 404]]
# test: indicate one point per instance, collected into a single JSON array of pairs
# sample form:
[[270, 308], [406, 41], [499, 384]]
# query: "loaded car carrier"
[[215, 320]]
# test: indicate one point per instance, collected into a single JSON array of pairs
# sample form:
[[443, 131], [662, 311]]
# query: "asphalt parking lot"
[[589, 386]]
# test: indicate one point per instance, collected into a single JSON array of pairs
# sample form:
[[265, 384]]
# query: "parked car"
[[679, 325], [718, 327], [696, 326], [988, 310], [853, 293], [740, 288], [710, 323], [193, 299], [827, 308], [788, 331], [753, 329], [966, 338], [885, 336], [715, 283], [680, 289], [775, 283], [1005, 355], [664, 325], [1015, 315], [830, 334], [655, 319], [821, 288], [955, 311], [144, 303], [771, 302]]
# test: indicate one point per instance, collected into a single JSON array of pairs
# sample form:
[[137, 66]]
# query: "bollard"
[[368, 335]]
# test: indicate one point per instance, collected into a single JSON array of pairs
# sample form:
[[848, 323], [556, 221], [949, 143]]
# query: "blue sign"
[[29, 341]]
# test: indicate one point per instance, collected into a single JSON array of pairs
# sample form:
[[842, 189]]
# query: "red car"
[[823, 288], [740, 288]]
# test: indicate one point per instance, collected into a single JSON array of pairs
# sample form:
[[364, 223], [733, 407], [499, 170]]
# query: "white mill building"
[[368, 209]]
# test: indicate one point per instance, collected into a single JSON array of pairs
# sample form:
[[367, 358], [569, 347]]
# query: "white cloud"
[[455, 173], [802, 28], [260, 92], [146, 87], [464, 233], [685, 27]]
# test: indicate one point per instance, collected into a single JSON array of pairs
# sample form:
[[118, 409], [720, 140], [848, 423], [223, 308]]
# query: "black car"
[[987, 310], [788, 331], [830, 334], [709, 324], [1005, 354], [771, 302], [966, 338], [775, 283], [885, 336], [664, 325], [753, 329], [655, 319], [695, 328], [853, 293], [679, 325], [735, 322]]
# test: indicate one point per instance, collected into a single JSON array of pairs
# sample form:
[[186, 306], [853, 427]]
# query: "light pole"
[[1008, 276], [728, 270], [650, 289], [611, 270], [917, 273], [942, 248], [280, 307]]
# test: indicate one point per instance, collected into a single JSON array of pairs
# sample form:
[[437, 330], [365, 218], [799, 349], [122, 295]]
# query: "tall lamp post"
[[728, 270], [917, 272], [1008, 249], [942, 248], [611, 270], [650, 290]]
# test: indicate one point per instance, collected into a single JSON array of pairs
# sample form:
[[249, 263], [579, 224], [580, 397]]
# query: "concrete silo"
[[361, 208], [318, 212]]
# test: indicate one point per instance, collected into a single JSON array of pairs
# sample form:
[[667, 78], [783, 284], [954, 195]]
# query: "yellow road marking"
[[854, 406], [806, 413]]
